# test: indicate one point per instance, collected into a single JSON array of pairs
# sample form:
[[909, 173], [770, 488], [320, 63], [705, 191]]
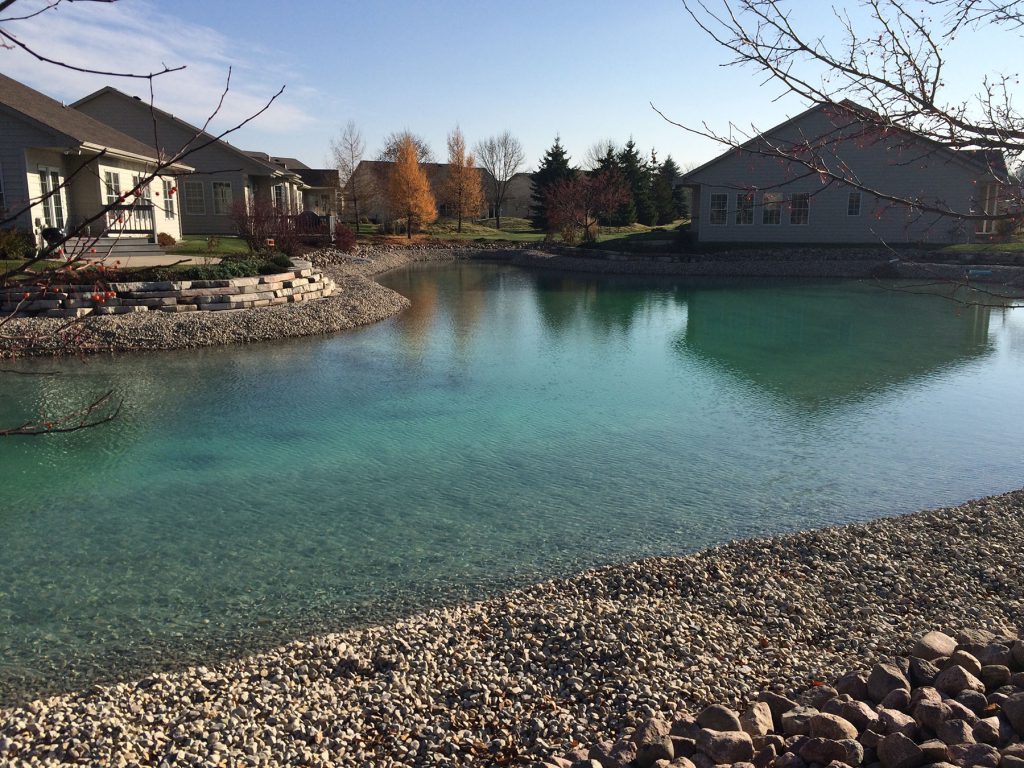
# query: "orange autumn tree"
[[462, 192], [408, 189]]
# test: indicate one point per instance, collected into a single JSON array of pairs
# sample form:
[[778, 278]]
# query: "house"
[[224, 173], [518, 197], [59, 169], [322, 191], [369, 183], [755, 193]]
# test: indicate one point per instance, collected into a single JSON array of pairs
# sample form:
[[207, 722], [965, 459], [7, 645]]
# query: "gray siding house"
[[224, 173], [754, 194], [60, 168]]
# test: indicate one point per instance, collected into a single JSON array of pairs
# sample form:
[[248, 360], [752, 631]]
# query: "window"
[[53, 197], [989, 202], [718, 214], [853, 205], [112, 187], [771, 212], [744, 208], [222, 198], [279, 197], [169, 211], [195, 199], [138, 186], [800, 208]]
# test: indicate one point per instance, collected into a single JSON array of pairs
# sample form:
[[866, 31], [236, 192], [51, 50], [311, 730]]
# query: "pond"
[[509, 427]]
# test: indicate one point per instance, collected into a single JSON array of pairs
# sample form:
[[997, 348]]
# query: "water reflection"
[[816, 347]]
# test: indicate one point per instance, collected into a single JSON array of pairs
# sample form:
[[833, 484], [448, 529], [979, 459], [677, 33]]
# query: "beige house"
[[754, 194], [59, 169], [322, 191], [224, 173]]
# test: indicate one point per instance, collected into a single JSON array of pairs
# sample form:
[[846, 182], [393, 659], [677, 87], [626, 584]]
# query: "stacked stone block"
[[73, 301]]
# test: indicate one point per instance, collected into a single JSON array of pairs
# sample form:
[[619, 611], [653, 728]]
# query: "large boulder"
[[898, 751], [726, 746], [884, 679], [719, 718], [955, 679], [1013, 708], [757, 719], [833, 727], [933, 645], [797, 721]]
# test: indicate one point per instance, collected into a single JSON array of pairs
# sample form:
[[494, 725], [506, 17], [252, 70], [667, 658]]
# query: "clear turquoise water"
[[508, 427]]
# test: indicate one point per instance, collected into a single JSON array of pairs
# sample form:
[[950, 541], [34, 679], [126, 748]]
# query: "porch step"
[[112, 248]]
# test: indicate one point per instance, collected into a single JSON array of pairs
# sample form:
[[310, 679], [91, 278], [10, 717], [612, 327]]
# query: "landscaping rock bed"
[[559, 668], [952, 702]]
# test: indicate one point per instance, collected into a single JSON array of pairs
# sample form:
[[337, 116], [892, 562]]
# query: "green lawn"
[[199, 245], [639, 238], [1013, 247], [512, 230]]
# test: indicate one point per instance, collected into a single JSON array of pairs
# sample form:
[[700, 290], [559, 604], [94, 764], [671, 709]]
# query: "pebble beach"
[[551, 670]]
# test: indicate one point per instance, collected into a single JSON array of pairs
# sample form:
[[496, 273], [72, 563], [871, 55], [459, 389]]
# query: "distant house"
[[224, 173], [322, 191], [517, 197], [754, 194], [59, 168], [369, 183]]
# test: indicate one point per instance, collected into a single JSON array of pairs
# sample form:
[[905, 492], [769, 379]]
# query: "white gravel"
[[542, 670]]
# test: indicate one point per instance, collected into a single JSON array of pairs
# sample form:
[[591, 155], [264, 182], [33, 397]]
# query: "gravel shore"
[[357, 301], [570, 662]]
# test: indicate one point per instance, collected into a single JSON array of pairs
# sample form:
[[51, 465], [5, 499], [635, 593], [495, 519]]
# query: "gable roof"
[[320, 177], [287, 163], [985, 161], [76, 127], [262, 167]]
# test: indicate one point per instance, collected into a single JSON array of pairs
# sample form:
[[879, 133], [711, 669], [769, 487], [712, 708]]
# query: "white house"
[[224, 173], [59, 169], [755, 193]]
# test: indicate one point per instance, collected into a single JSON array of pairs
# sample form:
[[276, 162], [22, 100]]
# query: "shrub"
[[344, 238], [164, 240], [212, 243], [16, 245]]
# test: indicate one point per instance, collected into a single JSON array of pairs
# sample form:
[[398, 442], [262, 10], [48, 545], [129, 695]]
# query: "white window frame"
[[718, 197], [276, 191], [169, 212], [54, 206], [195, 198], [147, 193], [851, 208], [989, 205], [221, 207], [112, 187], [745, 209], [771, 209], [805, 198]]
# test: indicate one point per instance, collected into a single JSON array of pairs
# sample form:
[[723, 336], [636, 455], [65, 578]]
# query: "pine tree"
[[668, 199], [462, 192], [554, 167], [409, 190]]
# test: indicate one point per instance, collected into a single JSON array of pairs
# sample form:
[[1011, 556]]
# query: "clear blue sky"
[[584, 69]]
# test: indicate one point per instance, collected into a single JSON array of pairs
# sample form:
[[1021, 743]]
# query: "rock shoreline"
[[568, 664]]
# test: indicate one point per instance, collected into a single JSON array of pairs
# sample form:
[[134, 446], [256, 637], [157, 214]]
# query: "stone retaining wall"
[[298, 284]]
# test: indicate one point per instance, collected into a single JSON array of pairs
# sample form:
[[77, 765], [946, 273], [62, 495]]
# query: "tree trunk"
[[408, 225]]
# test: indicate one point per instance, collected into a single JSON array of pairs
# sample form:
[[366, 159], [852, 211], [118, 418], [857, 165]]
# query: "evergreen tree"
[[554, 167], [631, 167], [668, 199]]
